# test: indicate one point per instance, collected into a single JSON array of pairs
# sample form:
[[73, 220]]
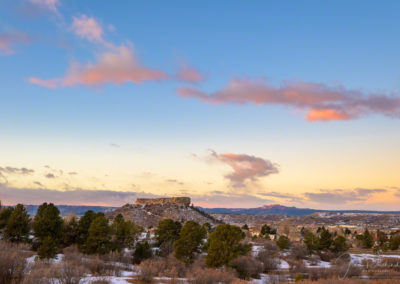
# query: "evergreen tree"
[[124, 233], [18, 225], [224, 245], [47, 248], [71, 231], [394, 242], [367, 239], [311, 241], [142, 252], [245, 227], [283, 243], [99, 238], [48, 223], [83, 228], [5, 214], [266, 231], [325, 239], [167, 233], [189, 241], [340, 244]]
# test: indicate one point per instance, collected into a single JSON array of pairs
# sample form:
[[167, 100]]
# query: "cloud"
[[38, 183], [72, 173], [338, 196], [87, 28], [117, 66], [8, 40], [174, 181], [319, 101], [50, 176], [245, 167], [115, 145], [189, 74], [50, 5], [286, 196], [44, 83], [229, 200], [16, 171], [10, 195]]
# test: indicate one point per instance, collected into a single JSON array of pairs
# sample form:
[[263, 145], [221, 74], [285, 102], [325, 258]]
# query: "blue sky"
[[353, 45]]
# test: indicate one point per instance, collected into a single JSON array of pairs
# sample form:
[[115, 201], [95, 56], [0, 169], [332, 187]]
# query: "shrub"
[[299, 251], [269, 261], [208, 276], [12, 264], [247, 267], [67, 272]]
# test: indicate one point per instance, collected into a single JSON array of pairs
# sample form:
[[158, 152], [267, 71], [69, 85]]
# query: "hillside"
[[148, 212]]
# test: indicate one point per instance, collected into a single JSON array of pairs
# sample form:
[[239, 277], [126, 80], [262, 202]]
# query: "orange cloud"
[[322, 102], [117, 66], [325, 114]]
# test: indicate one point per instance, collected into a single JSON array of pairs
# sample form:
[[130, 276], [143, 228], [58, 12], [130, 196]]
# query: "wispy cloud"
[[50, 5], [189, 74], [116, 66], [16, 171], [8, 41], [11, 195], [285, 196], [245, 167], [338, 196], [320, 101]]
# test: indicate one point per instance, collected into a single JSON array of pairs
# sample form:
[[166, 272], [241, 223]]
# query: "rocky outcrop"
[[148, 212], [185, 201]]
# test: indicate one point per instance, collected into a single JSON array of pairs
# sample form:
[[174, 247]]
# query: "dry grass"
[[12, 263]]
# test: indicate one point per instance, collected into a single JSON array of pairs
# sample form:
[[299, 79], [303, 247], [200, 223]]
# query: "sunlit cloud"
[[16, 171], [8, 41], [44, 83], [117, 66], [321, 102], [87, 28], [245, 167]]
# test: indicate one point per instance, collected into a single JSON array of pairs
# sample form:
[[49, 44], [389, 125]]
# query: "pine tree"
[[70, 231], [47, 248], [124, 233], [367, 239], [18, 225], [167, 233], [142, 252], [189, 241], [283, 243], [99, 238], [325, 239], [48, 223], [224, 245], [5, 214]]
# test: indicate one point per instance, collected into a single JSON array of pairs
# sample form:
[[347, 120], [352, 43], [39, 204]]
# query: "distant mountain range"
[[273, 209], [276, 209]]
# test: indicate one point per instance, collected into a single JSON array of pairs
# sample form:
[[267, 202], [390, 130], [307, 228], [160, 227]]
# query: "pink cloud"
[[117, 66], [322, 102], [87, 28], [50, 5], [43, 83], [189, 74], [8, 40], [245, 167]]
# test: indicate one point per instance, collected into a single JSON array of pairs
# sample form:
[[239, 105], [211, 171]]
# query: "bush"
[[299, 252], [247, 267], [208, 276], [283, 243], [269, 261], [12, 264], [68, 272], [169, 267]]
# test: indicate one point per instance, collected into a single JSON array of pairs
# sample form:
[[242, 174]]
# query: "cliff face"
[[184, 201], [148, 212]]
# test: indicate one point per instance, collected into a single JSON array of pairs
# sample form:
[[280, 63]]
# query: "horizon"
[[239, 105]]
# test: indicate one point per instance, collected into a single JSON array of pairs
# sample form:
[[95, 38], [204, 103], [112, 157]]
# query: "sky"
[[233, 103]]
